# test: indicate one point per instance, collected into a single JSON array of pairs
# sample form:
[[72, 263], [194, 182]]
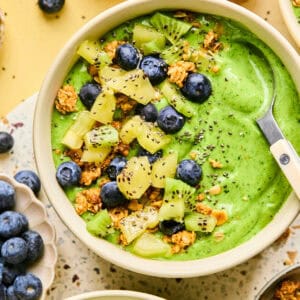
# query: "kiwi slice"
[[173, 53], [172, 28], [199, 222], [100, 224]]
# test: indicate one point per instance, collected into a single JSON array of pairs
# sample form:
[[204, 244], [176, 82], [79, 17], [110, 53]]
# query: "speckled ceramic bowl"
[[114, 295], [43, 152], [34, 210]]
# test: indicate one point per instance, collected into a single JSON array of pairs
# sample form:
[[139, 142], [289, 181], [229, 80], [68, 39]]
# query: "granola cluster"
[[288, 290], [66, 99]]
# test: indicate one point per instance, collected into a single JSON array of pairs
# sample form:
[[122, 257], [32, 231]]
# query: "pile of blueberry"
[[19, 248]]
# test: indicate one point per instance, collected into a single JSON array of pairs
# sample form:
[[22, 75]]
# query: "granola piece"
[[88, 200], [66, 99], [90, 172], [135, 205], [219, 236], [201, 197], [215, 164], [111, 47], [188, 17], [93, 70], [125, 103], [211, 42], [296, 3], [75, 155], [117, 214], [179, 71], [288, 290], [123, 240], [181, 240], [203, 209], [215, 190], [220, 215]]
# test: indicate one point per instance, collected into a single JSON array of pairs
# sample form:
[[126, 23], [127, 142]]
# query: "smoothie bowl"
[[146, 142]]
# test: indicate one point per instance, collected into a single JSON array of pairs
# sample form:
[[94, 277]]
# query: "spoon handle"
[[289, 162]]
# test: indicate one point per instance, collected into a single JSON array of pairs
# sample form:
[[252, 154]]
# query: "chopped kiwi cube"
[[174, 53], [149, 245], [176, 99], [172, 28], [199, 222], [108, 73], [96, 155], [100, 224]]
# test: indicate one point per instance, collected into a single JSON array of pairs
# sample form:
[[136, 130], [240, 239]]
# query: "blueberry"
[[30, 179], [7, 196], [51, 6], [10, 272], [28, 287], [2, 291], [127, 57], [169, 120], [155, 68], [88, 94], [14, 250], [170, 227], [10, 293], [111, 195], [151, 157], [189, 172], [197, 87], [149, 112], [1, 266], [35, 245], [68, 173], [6, 142], [115, 167], [12, 223]]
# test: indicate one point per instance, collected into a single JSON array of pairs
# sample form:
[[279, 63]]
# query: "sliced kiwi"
[[172, 28], [100, 224], [177, 193], [96, 155], [199, 222], [174, 53], [176, 99]]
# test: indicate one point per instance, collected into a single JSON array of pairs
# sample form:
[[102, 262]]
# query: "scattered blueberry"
[[88, 94], [68, 173], [1, 267], [7, 196], [170, 227], [28, 287], [51, 6], [189, 172], [115, 167], [6, 142], [35, 245], [127, 57], [111, 195], [10, 272], [196, 87], [14, 250], [12, 223], [169, 120], [2, 291], [10, 293], [155, 68], [149, 112], [151, 157], [30, 179]]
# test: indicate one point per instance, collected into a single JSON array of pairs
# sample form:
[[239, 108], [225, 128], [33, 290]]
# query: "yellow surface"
[[33, 39]]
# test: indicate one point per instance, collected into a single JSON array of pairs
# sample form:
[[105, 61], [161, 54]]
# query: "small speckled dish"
[[34, 210], [267, 292], [290, 19], [115, 295], [1, 27]]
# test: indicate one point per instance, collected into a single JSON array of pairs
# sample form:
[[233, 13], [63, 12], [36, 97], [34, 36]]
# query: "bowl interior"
[[42, 139]]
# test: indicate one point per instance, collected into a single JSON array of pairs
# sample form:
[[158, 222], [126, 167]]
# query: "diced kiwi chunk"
[[104, 106], [176, 194], [100, 224], [91, 51], [137, 222], [163, 168], [131, 129], [148, 39], [73, 138], [172, 28], [149, 245], [135, 178], [97, 155], [108, 73], [134, 84], [199, 222], [176, 99], [103, 136], [174, 53]]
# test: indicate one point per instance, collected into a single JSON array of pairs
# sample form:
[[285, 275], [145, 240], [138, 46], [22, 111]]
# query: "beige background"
[[32, 40]]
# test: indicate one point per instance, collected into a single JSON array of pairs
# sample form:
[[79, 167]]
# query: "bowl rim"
[[16, 185], [170, 269]]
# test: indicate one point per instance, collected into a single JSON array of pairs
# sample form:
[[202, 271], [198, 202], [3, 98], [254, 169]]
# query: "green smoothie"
[[223, 129], [296, 10]]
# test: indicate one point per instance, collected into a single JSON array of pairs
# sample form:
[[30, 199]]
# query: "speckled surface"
[[79, 270]]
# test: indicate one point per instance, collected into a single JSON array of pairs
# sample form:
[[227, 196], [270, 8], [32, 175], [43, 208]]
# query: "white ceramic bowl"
[[42, 140], [34, 210], [114, 295]]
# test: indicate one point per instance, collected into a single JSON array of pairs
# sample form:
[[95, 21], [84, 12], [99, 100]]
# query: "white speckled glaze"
[[42, 141], [35, 211]]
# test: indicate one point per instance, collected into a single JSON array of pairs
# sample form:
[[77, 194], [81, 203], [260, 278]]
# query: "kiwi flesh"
[[100, 224], [199, 222]]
